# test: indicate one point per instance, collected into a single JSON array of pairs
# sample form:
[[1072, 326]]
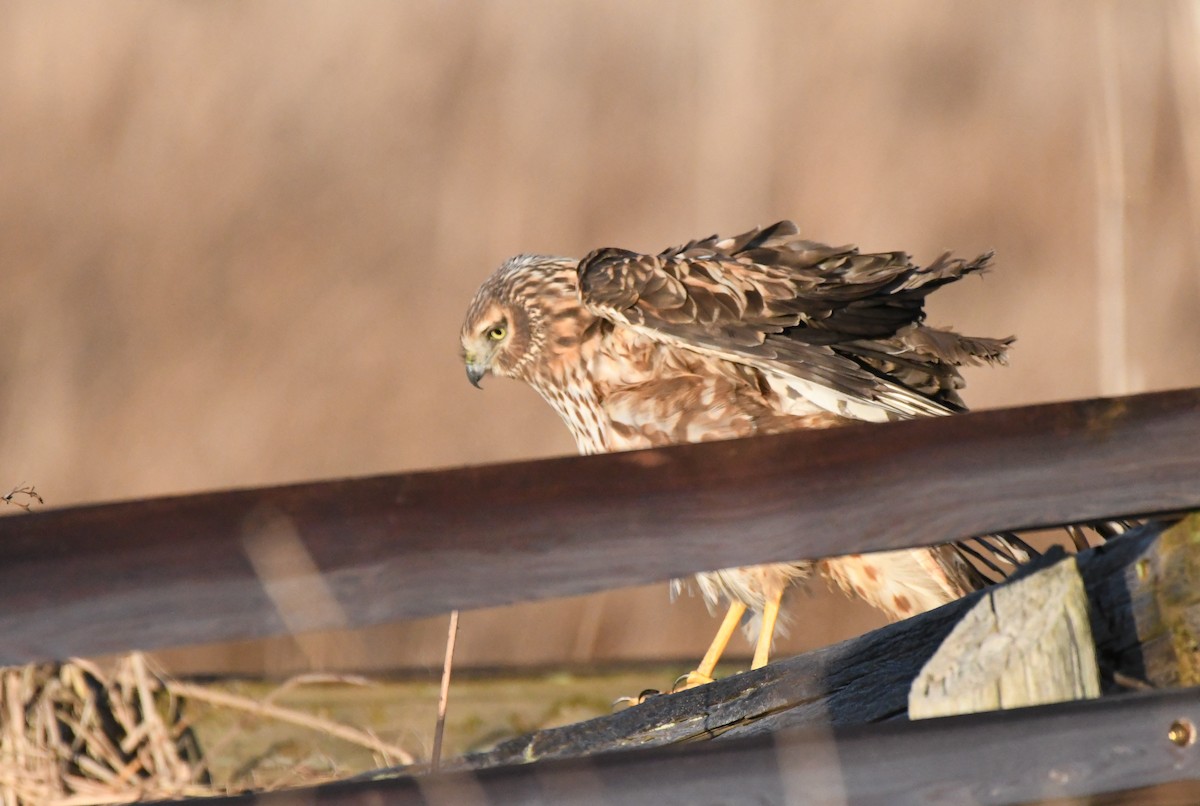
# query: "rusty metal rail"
[[248, 563]]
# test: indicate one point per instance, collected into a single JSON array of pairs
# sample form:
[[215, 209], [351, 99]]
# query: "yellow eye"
[[497, 333]]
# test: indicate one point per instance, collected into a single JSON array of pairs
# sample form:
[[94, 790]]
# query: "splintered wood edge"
[[1028, 643]]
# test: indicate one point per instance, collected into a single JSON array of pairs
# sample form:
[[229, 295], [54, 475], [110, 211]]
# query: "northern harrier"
[[727, 337]]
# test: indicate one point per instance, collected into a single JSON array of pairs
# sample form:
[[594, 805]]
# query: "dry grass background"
[[236, 239]]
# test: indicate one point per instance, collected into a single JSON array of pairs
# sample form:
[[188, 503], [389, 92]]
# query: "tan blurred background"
[[236, 239]]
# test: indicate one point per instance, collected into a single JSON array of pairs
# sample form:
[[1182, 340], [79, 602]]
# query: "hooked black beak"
[[475, 374]]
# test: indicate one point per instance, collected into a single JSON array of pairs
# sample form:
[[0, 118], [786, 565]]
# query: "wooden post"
[[1164, 599], [1028, 643]]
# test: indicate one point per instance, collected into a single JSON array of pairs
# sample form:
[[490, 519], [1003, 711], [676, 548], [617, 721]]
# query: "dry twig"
[[444, 694], [391, 753], [23, 496]]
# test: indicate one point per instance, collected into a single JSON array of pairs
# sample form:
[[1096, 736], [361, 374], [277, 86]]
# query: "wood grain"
[[1026, 643], [862, 680], [248, 563], [1116, 747]]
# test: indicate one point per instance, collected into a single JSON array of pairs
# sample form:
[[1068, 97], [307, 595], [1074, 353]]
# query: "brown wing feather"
[[834, 319]]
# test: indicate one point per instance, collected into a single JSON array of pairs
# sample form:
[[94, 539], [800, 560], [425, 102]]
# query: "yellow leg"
[[763, 648], [703, 673]]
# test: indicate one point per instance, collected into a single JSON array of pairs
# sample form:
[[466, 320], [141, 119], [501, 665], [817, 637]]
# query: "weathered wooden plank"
[[1026, 643], [248, 563], [1033, 755], [1164, 591], [862, 680]]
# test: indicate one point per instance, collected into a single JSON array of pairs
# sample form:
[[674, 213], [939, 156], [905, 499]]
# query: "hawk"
[[761, 333]]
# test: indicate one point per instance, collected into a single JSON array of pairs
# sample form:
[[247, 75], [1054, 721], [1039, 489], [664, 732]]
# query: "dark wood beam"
[[249, 563], [867, 679], [1117, 750]]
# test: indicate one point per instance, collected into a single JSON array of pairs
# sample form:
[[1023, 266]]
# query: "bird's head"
[[497, 338], [509, 321]]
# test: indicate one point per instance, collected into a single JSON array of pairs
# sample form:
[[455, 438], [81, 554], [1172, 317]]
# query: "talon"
[[690, 680], [629, 702]]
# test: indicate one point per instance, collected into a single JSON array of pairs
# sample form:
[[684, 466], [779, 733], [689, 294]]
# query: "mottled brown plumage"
[[758, 334]]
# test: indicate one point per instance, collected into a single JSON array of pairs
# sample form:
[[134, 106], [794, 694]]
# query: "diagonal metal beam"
[[248, 563]]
